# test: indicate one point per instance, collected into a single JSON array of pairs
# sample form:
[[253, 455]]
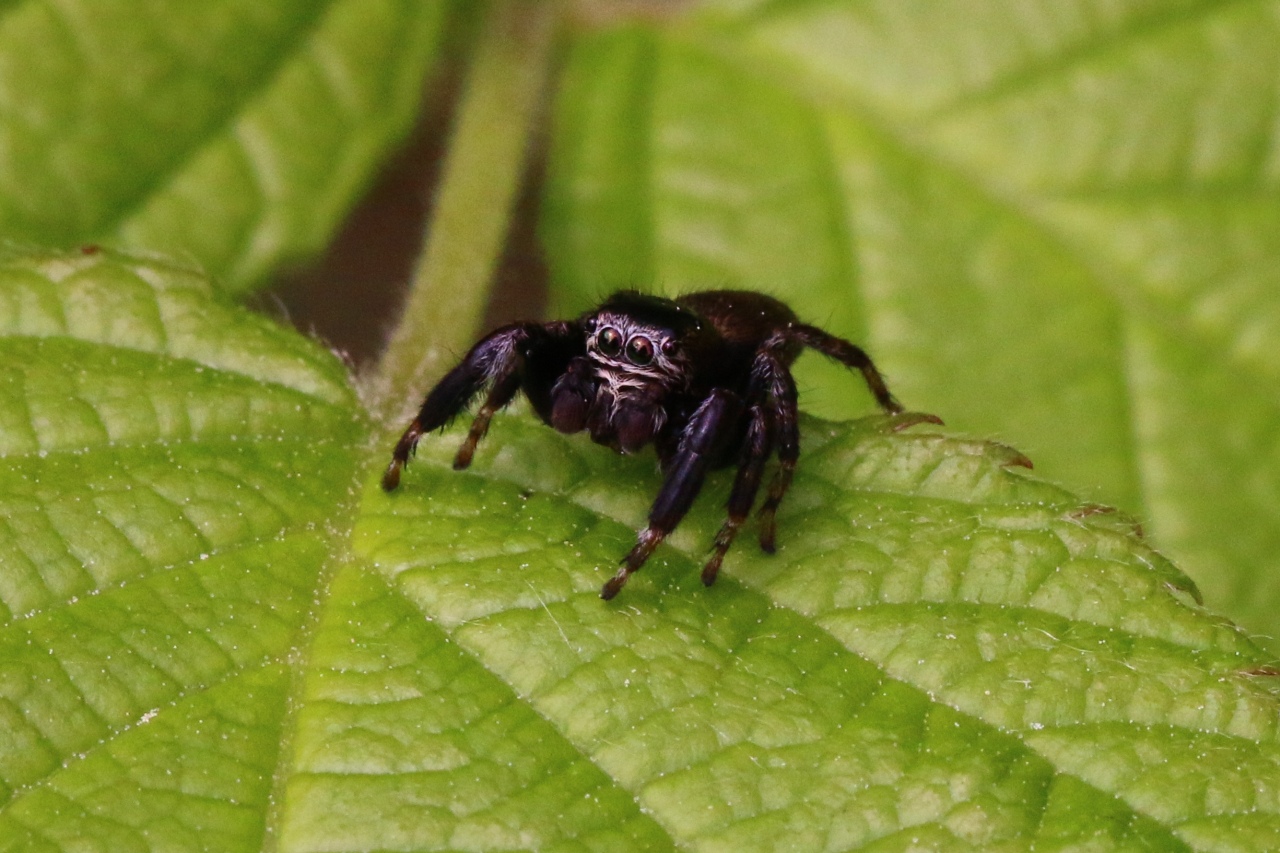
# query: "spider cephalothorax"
[[705, 378], [637, 360]]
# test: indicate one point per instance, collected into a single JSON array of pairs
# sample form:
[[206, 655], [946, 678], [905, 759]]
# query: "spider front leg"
[[701, 445], [504, 389], [500, 361]]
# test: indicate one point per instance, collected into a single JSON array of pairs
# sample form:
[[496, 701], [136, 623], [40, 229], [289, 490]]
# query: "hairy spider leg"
[[849, 355], [700, 448], [756, 450], [441, 405], [782, 389], [499, 359], [503, 391], [775, 378]]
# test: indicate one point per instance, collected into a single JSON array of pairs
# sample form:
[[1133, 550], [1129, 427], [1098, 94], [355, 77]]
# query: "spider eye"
[[669, 346], [609, 341], [640, 351]]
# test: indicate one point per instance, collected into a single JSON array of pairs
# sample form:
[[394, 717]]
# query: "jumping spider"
[[705, 377]]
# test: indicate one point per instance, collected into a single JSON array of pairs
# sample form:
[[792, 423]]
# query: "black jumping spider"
[[706, 378]]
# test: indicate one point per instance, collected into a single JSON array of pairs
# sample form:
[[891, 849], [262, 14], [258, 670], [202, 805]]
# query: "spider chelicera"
[[706, 378]]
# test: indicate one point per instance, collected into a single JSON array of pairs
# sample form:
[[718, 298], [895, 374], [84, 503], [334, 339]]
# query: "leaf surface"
[[171, 466], [220, 633], [235, 132], [928, 657]]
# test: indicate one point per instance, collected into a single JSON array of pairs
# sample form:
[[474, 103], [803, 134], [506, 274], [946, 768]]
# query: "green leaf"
[[236, 132], [1055, 225], [219, 633], [171, 464]]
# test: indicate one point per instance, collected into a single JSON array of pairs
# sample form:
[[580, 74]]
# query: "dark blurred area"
[[350, 296]]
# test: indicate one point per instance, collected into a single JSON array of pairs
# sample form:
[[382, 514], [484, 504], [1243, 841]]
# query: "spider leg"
[[501, 393], [701, 445], [780, 389], [850, 356], [500, 360], [758, 446]]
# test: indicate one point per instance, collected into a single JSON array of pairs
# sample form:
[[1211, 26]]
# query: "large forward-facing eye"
[[609, 341], [639, 350]]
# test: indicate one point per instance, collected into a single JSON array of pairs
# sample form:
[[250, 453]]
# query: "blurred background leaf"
[[237, 132]]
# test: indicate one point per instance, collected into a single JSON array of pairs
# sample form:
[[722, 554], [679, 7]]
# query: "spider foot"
[[615, 584], [391, 477], [723, 540], [647, 542], [905, 420], [479, 429], [712, 569], [405, 448], [768, 529]]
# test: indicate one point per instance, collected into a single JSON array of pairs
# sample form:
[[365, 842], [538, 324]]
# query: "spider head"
[[638, 339], [637, 344]]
